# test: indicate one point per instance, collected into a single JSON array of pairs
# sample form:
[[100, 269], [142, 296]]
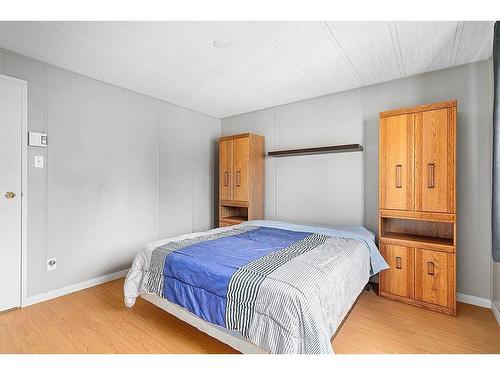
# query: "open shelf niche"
[[233, 214], [418, 233]]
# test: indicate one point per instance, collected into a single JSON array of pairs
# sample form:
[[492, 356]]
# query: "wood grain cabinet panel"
[[241, 158], [398, 279], [396, 166], [225, 169], [434, 161], [435, 277]]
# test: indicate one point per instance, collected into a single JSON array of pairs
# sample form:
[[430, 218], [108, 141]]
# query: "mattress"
[[284, 288]]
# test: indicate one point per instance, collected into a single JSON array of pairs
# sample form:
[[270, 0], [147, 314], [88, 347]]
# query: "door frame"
[[24, 185]]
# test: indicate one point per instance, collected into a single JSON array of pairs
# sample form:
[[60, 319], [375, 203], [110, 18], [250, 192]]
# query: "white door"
[[11, 117]]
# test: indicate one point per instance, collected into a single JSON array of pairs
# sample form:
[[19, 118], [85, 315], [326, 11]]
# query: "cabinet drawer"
[[435, 277], [398, 279]]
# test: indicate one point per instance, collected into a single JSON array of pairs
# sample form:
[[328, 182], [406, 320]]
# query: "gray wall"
[[122, 169], [317, 189], [472, 86], [325, 189]]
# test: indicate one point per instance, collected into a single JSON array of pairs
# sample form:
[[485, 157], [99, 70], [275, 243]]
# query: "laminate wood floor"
[[95, 320]]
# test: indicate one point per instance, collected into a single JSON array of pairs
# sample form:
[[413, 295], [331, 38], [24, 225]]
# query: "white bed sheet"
[[340, 294]]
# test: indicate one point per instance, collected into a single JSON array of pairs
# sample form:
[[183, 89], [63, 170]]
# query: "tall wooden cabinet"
[[417, 218], [241, 178]]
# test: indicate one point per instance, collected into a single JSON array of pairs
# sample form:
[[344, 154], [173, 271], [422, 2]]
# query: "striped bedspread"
[[272, 285]]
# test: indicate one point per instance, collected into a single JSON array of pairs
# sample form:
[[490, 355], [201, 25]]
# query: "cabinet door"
[[396, 162], [241, 160], [435, 161], [435, 277], [398, 279], [225, 166]]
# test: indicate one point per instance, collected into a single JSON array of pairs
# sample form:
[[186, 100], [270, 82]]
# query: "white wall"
[[326, 189], [119, 173]]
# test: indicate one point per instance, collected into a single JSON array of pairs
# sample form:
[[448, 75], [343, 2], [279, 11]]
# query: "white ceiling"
[[266, 63]]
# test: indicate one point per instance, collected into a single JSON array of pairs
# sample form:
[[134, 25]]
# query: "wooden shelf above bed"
[[317, 150]]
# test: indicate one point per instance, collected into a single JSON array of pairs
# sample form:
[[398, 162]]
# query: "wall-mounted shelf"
[[317, 150]]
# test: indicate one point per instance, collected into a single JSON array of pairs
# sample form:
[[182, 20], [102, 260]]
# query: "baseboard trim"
[[495, 308], [473, 300], [31, 300]]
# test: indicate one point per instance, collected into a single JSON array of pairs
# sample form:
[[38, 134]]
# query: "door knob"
[[10, 195]]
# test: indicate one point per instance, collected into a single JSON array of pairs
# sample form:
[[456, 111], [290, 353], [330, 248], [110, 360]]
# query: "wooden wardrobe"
[[241, 178], [417, 205]]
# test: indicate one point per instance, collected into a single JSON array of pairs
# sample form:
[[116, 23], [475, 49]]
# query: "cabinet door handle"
[[398, 263], [398, 176], [238, 178], [226, 178], [430, 268], [430, 177]]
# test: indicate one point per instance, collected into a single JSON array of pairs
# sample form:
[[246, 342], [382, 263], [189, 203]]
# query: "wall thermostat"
[[37, 139]]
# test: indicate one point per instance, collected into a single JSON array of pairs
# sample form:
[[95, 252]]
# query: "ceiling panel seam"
[[460, 41], [346, 56], [288, 57], [397, 48], [456, 43]]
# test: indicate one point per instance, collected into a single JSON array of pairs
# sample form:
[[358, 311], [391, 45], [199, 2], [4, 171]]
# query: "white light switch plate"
[[39, 161]]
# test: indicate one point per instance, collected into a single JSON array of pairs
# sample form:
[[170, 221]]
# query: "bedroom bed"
[[260, 286]]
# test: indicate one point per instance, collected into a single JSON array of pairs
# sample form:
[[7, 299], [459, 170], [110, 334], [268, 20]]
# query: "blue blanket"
[[197, 276]]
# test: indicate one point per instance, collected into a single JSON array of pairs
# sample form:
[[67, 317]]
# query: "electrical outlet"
[[51, 264]]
